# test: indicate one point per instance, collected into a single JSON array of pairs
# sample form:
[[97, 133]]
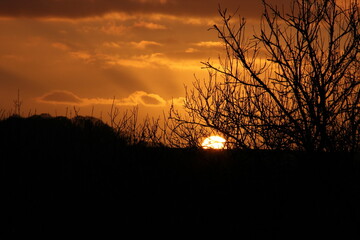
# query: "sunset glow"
[[213, 142], [81, 53]]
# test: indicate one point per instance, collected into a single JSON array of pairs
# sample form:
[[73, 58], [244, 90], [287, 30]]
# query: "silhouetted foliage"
[[65, 176], [44, 131], [147, 132], [294, 84]]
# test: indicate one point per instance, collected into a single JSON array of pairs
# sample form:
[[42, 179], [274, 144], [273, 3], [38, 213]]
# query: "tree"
[[294, 84]]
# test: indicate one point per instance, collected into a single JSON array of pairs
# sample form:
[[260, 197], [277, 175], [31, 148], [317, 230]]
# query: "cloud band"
[[136, 98]]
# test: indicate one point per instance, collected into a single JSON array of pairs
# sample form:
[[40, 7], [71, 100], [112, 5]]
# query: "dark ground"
[[64, 178]]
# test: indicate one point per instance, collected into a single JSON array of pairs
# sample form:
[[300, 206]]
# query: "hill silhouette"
[[65, 176]]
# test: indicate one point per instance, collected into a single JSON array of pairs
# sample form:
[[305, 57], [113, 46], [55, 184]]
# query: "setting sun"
[[213, 142]]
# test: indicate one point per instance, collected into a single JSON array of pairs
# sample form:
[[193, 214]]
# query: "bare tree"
[[126, 124], [184, 133], [294, 84]]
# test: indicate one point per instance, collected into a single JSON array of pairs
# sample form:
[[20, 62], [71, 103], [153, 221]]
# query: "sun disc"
[[213, 142]]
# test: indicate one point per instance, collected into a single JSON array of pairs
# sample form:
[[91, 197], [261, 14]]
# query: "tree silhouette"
[[294, 84]]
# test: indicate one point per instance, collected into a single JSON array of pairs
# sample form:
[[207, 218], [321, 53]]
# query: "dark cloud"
[[136, 98], [141, 97], [150, 100], [61, 97], [86, 8]]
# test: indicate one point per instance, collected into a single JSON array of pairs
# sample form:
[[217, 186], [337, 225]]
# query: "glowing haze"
[[82, 53]]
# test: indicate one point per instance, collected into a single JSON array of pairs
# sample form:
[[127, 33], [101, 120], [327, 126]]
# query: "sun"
[[213, 142]]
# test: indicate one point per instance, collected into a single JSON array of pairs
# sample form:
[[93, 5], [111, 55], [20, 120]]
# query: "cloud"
[[152, 1], [113, 28], [191, 50], [60, 46], [155, 60], [145, 44], [151, 100], [149, 25], [88, 8], [209, 44], [60, 97], [139, 45], [82, 55], [140, 97], [112, 44], [69, 98], [118, 24], [180, 101]]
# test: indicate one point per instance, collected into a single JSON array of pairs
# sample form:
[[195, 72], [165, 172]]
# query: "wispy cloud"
[[61, 97], [69, 98], [113, 28], [140, 97], [149, 25], [191, 50], [112, 44], [155, 60], [60, 46], [82, 55], [177, 101], [209, 44], [145, 44]]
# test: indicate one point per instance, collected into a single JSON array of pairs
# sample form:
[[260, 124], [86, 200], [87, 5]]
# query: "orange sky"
[[65, 53]]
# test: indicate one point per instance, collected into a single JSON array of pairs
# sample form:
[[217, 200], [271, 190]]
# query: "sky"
[[62, 54]]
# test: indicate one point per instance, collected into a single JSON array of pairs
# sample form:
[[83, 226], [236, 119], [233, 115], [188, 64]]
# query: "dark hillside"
[[62, 176]]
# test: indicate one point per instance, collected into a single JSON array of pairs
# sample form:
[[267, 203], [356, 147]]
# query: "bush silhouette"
[[66, 176]]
